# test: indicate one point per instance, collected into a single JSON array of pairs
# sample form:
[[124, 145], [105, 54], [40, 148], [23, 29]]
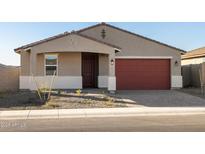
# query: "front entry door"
[[90, 70]]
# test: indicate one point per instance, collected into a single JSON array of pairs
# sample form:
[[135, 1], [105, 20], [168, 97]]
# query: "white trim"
[[192, 61], [143, 57], [102, 81], [176, 81], [60, 82], [117, 49], [111, 83], [27, 49]]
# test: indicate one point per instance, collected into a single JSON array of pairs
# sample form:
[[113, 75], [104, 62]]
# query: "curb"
[[99, 112]]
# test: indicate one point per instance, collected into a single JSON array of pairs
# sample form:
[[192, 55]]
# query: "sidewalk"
[[100, 112]]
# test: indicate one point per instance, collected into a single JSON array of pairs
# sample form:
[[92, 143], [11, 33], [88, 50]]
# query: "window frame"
[[45, 65]]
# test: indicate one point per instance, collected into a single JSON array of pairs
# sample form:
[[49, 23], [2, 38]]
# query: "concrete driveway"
[[162, 98]]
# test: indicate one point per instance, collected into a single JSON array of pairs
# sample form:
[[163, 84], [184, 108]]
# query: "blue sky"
[[186, 36]]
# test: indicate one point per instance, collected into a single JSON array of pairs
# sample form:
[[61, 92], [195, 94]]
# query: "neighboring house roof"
[[196, 53], [7, 66], [63, 35], [105, 24], [80, 34], [2, 65]]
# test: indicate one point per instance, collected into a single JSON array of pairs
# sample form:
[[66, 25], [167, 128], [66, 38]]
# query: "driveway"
[[162, 98]]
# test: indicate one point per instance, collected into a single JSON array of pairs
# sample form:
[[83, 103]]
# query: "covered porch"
[[79, 62]]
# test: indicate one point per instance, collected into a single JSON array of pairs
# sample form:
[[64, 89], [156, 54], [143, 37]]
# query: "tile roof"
[[200, 52], [42, 41], [78, 33], [105, 24], [62, 35]]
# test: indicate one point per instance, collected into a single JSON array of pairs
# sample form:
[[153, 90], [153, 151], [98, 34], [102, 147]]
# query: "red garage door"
[[142, 74]]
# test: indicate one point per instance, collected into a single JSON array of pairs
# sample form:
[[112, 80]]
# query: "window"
[[51, 64]]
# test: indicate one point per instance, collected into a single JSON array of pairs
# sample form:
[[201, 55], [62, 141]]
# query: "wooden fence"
[[191, 75]]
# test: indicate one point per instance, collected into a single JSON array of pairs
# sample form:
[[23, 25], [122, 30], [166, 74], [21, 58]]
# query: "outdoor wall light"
[[176, 63], [112, 62]]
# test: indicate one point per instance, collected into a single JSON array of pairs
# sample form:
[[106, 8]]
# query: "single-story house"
[[101, 56], [192, 63]]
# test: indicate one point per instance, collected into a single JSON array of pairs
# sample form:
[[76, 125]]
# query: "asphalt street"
[[172, 123]]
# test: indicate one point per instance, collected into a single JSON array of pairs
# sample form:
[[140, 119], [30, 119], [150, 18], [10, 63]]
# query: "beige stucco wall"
[[69, 64], [103, 65], [25, 63], [9, 78], [40, 65], [69, 49], [72, 43], [136, 46], [69, 44]]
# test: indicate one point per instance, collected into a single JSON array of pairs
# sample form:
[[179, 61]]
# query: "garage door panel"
[[143, 74]]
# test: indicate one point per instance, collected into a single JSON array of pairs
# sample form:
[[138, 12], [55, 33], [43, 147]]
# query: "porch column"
[[111, 73], [33, 58]]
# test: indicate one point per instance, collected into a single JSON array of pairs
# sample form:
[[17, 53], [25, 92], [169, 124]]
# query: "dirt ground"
[[88, 100], [19, 100]]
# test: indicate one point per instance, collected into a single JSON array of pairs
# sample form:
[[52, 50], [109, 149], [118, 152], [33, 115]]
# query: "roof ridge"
[[196, 49], [92, 26], [7, 66]]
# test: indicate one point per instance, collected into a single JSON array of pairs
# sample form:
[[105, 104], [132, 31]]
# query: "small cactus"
[[78, 92]]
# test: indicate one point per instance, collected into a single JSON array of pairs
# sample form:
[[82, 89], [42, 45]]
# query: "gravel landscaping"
[[97, 98], [88, 100], [26, 100]]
